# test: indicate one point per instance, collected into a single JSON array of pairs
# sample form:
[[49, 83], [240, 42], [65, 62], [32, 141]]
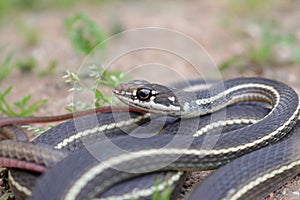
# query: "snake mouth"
[[150, 106]]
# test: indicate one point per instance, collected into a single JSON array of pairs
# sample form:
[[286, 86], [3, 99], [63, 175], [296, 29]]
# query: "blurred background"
[[44, 42]]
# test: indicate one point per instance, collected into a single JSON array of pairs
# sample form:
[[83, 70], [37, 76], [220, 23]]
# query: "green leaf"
[[84, 33], [19, 108], [22, 103], [161, 195], [32, 108], [100, 98]]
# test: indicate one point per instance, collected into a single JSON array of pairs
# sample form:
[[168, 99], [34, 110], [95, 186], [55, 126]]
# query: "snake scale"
[[179, 145]]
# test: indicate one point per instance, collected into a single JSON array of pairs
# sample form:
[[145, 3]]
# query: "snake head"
[[148, 96]]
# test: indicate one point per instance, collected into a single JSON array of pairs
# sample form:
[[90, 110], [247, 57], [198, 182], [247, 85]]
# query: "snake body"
[[90, 178], [68, 129], [256, 174]]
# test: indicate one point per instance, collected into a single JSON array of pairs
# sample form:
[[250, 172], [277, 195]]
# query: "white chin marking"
[[134, 92], [172, 98], [163, 107]]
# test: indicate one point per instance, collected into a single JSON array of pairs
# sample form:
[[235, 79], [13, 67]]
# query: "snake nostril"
[[118, 87]]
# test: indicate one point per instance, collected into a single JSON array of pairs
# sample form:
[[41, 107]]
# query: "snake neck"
[[193, 104]]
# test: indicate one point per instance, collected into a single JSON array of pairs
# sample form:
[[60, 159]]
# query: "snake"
[[90, 178]]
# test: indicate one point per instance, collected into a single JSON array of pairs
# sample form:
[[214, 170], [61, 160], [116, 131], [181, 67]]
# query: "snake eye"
[[143, 94]]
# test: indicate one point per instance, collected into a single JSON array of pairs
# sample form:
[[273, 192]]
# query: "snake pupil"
[[143, 94]]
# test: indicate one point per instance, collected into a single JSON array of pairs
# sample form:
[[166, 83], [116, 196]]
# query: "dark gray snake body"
[[82, 176]]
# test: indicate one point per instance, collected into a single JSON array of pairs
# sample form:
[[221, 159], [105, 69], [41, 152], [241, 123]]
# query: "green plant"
[[27, 64], [19, 108], [52, 65], [6, 66], [106, 78], [253, 8], [101, 78], [161, 195], [9, 8], [4, 6], [8, 5], [263, 50], [84, 33], [30, 33], [117, 26]]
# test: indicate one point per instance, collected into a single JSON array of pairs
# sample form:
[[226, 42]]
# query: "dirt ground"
[[210, 24]]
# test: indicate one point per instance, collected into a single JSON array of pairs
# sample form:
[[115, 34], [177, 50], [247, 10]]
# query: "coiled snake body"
[[81, 176]]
